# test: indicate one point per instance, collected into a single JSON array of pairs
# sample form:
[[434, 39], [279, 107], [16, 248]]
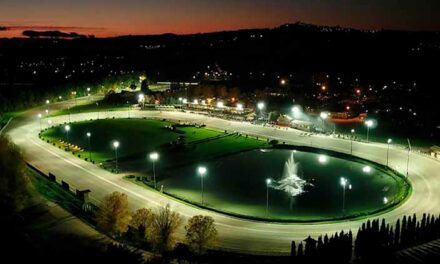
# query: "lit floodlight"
[[366, 169], [296, 109], [49, 122], [239, 107], [349, 186], [352, 131], [283, 82], [369, 123], [195, 101], [185, 100], [220, 104], [343, 181], [154, 156], [323, 115], [67, 127], [116, 144], [47, 102], [385, 200], [268, 181], [180, 99], [40, 116], [389, 141], [88, 89], [260, 106], [202, 171], [322, 158], [88, 134]]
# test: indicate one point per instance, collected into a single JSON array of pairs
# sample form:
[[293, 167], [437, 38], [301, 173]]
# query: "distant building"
[[284, 120]]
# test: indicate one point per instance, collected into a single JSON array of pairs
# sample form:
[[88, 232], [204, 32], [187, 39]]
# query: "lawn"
[[138, 137], [90, 106]]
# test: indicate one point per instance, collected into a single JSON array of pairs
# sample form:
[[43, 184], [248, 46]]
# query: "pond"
[[287, 184]]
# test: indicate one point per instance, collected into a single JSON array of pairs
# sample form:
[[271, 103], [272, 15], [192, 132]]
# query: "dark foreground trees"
[[164, 226], [113, 215], [13, 177], [200, 233]]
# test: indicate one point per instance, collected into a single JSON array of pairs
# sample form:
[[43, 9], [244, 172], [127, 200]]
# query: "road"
[[234, 234]]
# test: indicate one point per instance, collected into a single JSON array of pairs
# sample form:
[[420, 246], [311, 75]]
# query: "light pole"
[[351, 142], [344, 183], [407, 161], [47, 112], [48, 104], [97, 109], [323, 116], [141, 100], [116, 146], [260, 107], [88, 134], [128, 109], [154, 156], [39, 117], [202, 171], [67, 129], [368, 123], [388, 150], [268, 182]]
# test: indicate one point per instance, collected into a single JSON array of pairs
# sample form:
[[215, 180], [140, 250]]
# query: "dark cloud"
[[52, 34], [54, 28]]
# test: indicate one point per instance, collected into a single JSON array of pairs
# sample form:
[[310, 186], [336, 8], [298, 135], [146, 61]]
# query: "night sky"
[[121, 17]]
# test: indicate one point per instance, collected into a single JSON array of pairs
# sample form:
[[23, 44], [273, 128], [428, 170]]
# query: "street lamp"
[[220, 104], [97, 110], [239, 107], [47, 112], [202, 171], [88, 134], [141, 99], [39, 117], [154, 156], [351, 142], [388, 149], [344, 183], [67, 129], [260, 107], [407, 161], [296, 109], [368, 123], [116, 146], [268, 182]]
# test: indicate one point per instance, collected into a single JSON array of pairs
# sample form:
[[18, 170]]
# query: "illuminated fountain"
[[290, 182]]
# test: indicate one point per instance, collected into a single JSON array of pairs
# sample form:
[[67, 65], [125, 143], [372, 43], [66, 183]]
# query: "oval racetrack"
[[234, 234]]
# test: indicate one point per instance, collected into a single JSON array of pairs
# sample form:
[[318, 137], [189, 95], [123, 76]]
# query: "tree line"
[[376, 239], [153, 229]]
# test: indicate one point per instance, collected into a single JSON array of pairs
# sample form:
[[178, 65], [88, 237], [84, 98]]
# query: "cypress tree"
[[397, 234], [293, 249], [300, 250]]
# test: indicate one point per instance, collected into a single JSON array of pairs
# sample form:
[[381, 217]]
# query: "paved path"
[[234, 234]]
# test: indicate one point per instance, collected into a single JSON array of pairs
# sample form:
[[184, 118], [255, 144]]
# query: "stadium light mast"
[[202, 171], [154, 156], [88, 134], [268, 182], [116, 146]]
